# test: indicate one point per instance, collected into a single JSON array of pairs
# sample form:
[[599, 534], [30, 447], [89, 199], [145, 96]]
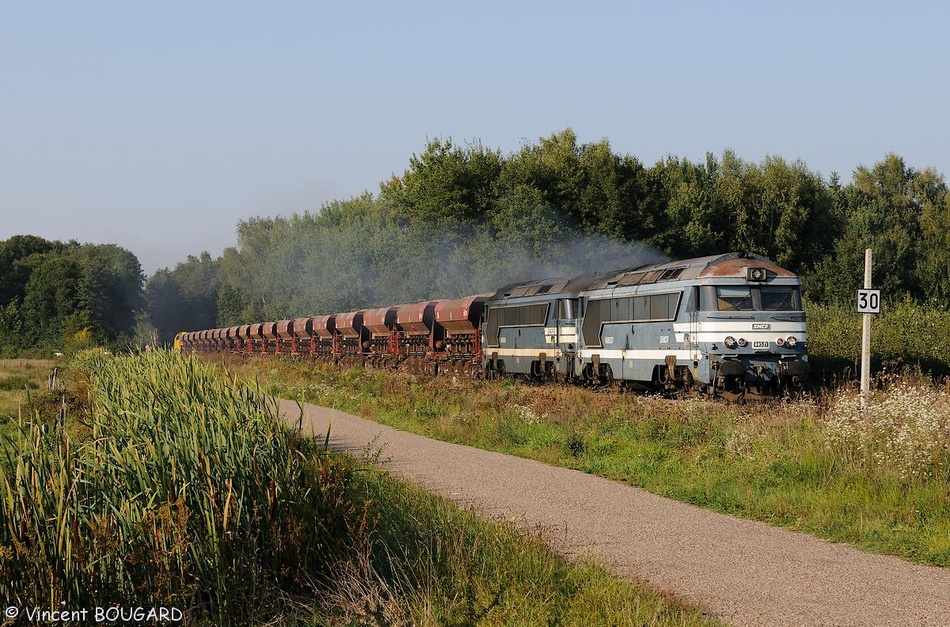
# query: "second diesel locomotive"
[[723, 324]]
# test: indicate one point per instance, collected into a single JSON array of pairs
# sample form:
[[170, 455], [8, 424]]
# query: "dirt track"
[[744, 572]]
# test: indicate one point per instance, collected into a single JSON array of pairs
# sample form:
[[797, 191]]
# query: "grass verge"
[[430, 563], [804, 466]]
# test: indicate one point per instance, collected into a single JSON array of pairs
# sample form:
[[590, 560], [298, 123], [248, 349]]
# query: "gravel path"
[[744, 572]]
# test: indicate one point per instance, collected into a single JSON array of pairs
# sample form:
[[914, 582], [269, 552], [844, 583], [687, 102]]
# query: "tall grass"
[[19, 378], [430, 563], [903, 428], [188, 492]]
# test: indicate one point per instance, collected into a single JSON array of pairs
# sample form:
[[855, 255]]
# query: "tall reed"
[[189, 492]]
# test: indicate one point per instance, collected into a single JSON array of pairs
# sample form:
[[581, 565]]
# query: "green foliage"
[[18, 255], [934, 261], [53, 290], [898, 212], [79, 341], [184, 296], [467, 219], [904, 335], [51, 307], [694, 213], [446, 187], [17, 383], [185, 489], [20, 381], [432, 563]]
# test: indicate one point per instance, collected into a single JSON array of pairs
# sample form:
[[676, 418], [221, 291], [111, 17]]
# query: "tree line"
[[465, 219], [57, 296]]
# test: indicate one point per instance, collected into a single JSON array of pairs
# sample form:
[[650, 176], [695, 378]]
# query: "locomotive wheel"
[[536, 373], [587, 373]]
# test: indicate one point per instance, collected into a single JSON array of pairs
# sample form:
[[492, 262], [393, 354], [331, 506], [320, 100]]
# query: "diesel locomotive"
[[726, 324]]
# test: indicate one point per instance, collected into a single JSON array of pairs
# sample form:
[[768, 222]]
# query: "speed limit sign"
[[869, 301]]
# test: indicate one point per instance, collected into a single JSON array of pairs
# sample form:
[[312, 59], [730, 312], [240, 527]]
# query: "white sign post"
[[869, 302]]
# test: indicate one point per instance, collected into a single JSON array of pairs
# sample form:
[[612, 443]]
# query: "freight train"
[[726, 324]]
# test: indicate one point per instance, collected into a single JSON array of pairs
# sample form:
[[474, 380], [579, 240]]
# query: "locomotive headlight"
[[756, 274], [730, 342], [791, 341]]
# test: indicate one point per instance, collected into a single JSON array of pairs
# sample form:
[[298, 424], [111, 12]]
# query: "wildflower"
[[906, 427]]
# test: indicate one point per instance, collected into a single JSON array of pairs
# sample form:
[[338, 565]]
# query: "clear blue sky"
[[160, 125]]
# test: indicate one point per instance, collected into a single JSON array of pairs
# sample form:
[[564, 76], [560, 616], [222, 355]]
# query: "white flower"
[[906, 427]]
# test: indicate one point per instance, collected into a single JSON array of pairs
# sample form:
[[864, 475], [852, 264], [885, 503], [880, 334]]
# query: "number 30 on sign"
[[869, 301]]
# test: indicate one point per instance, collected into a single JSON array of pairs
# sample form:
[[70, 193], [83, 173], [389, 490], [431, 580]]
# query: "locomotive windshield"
[[780, 298], [734, 299], [748, 298]]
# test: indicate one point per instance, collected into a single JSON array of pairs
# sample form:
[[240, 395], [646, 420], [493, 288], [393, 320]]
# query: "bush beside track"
[[904, 336]]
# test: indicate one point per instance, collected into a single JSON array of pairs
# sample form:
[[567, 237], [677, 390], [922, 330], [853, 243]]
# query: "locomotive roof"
[[728, 264], [676, 270], [555, 285]]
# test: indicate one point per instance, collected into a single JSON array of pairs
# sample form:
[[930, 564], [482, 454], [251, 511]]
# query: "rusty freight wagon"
[[324, 340], [420, 337], [461, 323], [353, 338], [382, 350]]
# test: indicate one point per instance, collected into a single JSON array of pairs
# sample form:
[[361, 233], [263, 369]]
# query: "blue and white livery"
[[727, 323]]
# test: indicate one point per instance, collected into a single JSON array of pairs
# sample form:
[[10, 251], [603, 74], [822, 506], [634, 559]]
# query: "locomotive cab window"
[[745, 298], [780, 298], [734, 299]]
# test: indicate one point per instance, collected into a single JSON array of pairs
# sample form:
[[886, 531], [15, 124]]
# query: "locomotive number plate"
[[760, 344]]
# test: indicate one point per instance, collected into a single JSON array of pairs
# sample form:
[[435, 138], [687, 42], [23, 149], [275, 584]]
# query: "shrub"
[[903, 335], [17, 383]]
